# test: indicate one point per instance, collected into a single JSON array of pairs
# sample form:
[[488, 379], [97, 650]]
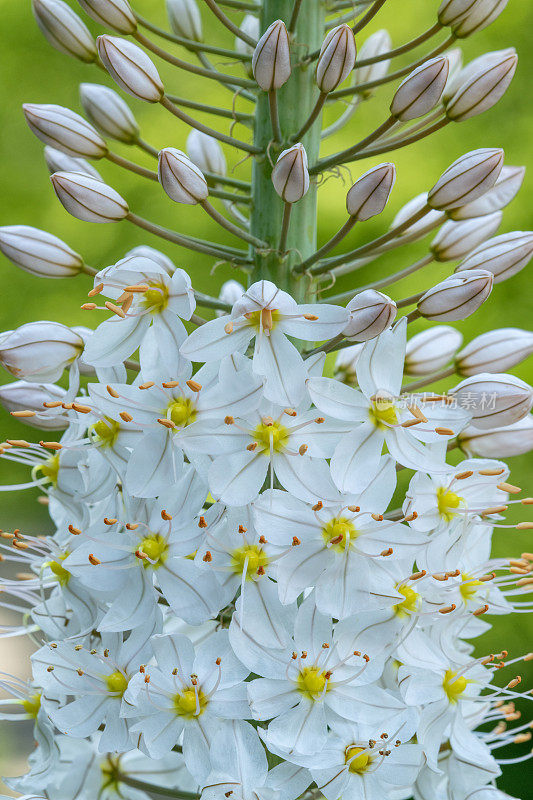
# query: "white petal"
[[380, 365], [282, 366], [210, 342], [331, 321], [305, 477], [357, 458], [338, 400], [236, 479]]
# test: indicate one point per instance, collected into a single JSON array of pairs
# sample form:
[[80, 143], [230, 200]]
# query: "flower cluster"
[[270, 564]]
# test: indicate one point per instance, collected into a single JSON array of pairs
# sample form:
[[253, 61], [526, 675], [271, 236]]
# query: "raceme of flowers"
[[270, 564]]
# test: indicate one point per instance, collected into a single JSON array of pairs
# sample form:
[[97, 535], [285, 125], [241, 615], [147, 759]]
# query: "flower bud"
[[38, 252], [65, 130], [250, 26], [483, 89], [421, 90], [345, 363], [467, 179], [456, 297], [271, 62], [503, 255], [377, 44], [457, 239], [431, 350], [230, 293], [185, 20], [370, 193], [421, 227], [478, 64], [455, 60], [116, 14], [87, 198], [493, 400], [290, 175], [56, 161], [131, 68], [465, 17], [371, 313], [64, 30], [336, 59], [39, 351], [495, 351], [206, 152], [182, 180], [504, 190], [109, 113], [144, 251], [22, 396], [512, 440]]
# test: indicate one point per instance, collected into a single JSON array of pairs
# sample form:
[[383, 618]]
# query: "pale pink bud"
[[495, 351], [336, 59], [185, 19], [478, 64], [493, 399], [65, 130], [467, 179], [116, 14], [456, 297], [23, 396], [39, 351], [371, 313], [504, 190], [420, 92], [109, 113], [251, 26], [87, 198], [465, 17], [377, 44], [503, 255], [483, 89], [64, 30], [370, 193], [457, 239], [38, 252], [511, 440], [271, 63], [206, 152], [431, 350], [290, 175], [131, 68], [182, 180], [57, 161]]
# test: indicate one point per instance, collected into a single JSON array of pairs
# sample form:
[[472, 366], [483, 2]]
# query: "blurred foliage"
[[33, 72]]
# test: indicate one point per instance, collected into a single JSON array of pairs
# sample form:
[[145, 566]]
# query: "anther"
[[318, 506], [166, 516], [115, 309], [202, 523], [417, 575], [242, 529], [22, 414], [51, 445], [508, 487], [261, 571], [514, 682], [302, 449], [290, 412], [208, 557], [229, 420], [166, 423], [320, 420], [146, 385], [444, 431], [251, 447], [125, 416], [412, 516], [377, 517], [97, 289], [112, 392], [310, 317], [88, 306], [409, 423], [18, 442], [388, 552], [524, 526], [93, 560], [52, 404], [218, 661], [491, 472], [228, 327], [110, 520], [132, 526], [295, 541], [170, 384], [262, 540], [462, 475], [194, 386], [136, 288], [493, 510], [479, 611], [527, 501], [74, 531], [447, 609]]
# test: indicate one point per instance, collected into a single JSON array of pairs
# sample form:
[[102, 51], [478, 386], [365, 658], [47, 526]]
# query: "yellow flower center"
[[383, 413], [409, 605], [182, 412], [273, 432], [453, 686], [311, 682], [446, 502], [357, 758], [31, 705], [106, 431], [265, 319], [469, 587], [339, 533], [251, 555], [155, 547], [155, 298], [59, 570], [190, 703], [49, 469], [117, 683], [110, 774]]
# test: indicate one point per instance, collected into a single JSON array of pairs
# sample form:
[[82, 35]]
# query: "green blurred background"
[[33, 72]]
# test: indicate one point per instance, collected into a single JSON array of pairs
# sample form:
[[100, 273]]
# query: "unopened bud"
[[231, 292], [511, 440], [57, 161], [456, 297], [182, 180], [64, 30], [419, 228], [483, 89], [38, 252], [116, 14], [465, 17], [371, 313], [467, 179], [457, 239], [88, 199], [376, 45], [153, 255], [271, 63], [206, 152], [493, 399], [420, 92], [131, 68], [290, 175], [39, 351], [370, 193], [431, 350], [336, 59], [109, 113], [345, 363], [65, 130], [503, 255], [504, 190], [21, 395], [495, 351], [185, 20], [250, 26]]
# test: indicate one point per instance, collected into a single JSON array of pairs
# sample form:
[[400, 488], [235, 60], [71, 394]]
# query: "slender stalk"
[[333, 242], [398, 51], [397, 276], [131, 166], [415, 314], [409, 301], [218, 251], [148, 148], [327, 347], [237, 116], [345, 117], [192, 44], [229, 226], [370, 14], [282, 247], [89, 270], [312, 117], [414, 386], [402, 131], [219, 14], [214, 177], [294, 16], [231, 196], [274, 115], [153, 788], [238, 4], [347, 155], [222, 137], [211, 302]]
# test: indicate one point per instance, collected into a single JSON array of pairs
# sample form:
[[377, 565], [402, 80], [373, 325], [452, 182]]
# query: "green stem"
[[397, 276], [398, 51], [229, 226], [397, 144], [131, 166], [333, 242], [238, 4], [211, 302], [274, 116], [152, 788], [285, 228], [147, 148], [237, 116], [294, 16], [89, 270], [414, 314], [191, 44], [213, 177], [414, 386], [219, 14], [349, 154], [409, 301], [315, 113]]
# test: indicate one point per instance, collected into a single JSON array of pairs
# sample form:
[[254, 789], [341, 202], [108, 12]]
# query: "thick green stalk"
[[296, 101]]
